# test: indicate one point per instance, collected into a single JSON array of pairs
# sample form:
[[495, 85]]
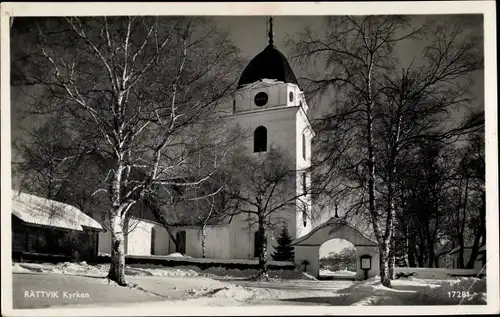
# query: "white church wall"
[[241, 237], [218, 246], [218, 242], [243, 234], [277, 96], [289, 214], [139, 238], [193, 243], [302, 128], [137, 241], [302, 230], [280, 125], [161, 241]]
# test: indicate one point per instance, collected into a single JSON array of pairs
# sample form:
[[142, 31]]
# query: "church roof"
[[269, 64]]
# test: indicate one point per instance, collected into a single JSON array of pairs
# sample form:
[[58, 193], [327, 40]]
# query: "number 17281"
[[458, 294]]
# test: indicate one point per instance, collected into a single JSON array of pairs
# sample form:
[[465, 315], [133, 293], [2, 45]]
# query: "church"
[[269, 105]]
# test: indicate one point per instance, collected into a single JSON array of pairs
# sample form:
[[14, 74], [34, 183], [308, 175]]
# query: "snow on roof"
[[45, 212]]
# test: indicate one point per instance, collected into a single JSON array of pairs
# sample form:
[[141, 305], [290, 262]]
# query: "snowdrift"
[[82, 268], [415, 291], [178, 259]]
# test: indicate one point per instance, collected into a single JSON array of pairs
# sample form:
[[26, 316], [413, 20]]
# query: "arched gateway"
[[307, 247]]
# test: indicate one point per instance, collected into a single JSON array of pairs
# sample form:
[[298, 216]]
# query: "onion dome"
[[268, 64]]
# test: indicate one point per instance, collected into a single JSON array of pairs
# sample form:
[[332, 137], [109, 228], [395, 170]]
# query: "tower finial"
[[271, 34], [336, 210]]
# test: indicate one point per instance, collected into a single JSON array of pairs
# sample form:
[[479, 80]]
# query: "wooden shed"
[[51, 229]]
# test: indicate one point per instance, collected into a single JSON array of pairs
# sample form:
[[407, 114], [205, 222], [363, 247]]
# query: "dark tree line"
[[388, 117], [442, 204], [343, 260]]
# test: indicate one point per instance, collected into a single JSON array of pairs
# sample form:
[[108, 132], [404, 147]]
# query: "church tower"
[[270, 106]]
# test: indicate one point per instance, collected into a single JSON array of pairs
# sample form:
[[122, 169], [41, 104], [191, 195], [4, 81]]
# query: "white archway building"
[[307, 247]]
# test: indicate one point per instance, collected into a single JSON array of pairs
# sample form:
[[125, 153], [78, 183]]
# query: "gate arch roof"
[[332, 229]]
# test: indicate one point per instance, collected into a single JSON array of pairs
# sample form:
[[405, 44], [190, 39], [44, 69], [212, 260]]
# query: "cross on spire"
[[271, 34]]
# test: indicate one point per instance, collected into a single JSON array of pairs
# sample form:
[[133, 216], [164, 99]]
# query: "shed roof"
[[50, 213]]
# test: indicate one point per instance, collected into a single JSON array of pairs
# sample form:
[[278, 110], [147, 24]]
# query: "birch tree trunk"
[[204, 240], [383, 243], [263, 271], [391, 212], [384, 265], [389, 236], [392, 259], [117, 267], [461, 260], [387, 252]]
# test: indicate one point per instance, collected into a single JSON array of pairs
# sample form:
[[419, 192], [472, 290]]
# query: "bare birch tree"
[[136, 86], [375, 125], [357, 51], [264, 188]]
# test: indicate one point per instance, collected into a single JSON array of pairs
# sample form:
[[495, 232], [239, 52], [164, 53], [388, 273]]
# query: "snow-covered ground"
[[179, 255], [340, 273], [414, 291], [83, 268], [366, 293], [222, 287]]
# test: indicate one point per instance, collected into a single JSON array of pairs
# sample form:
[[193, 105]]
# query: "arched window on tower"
[[260, 139], [304, 146]]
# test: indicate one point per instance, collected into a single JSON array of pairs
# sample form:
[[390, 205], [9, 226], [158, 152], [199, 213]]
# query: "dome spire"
[[271, 34], [268, 64]]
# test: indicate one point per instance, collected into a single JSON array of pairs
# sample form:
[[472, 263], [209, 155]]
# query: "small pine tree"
[[284, 249]]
